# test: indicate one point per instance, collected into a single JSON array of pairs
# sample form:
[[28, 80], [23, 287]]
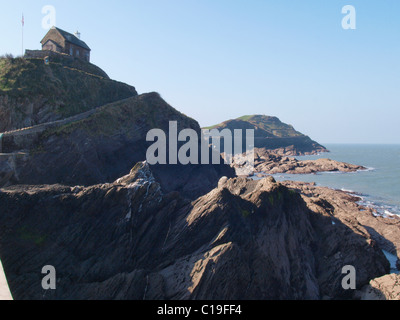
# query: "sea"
[[378, 186]]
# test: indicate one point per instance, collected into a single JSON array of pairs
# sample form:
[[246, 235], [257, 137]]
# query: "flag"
[[23, 20]]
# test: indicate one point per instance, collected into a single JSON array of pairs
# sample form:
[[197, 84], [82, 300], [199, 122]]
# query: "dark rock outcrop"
[[270, 163], [105, 145], [129, 240], [345, 207]]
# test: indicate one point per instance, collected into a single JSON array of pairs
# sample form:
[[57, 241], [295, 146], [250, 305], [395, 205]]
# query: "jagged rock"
[[222, 182], [141, 172], [343, 208], [176, 232], [130, 240], [383, 288], [271, 163]]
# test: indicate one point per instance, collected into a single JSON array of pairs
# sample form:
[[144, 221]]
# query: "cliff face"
[[272, 135], [104, 146], [129, 240], [32, 92]]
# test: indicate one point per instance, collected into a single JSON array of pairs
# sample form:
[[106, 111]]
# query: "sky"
[[216, 60]]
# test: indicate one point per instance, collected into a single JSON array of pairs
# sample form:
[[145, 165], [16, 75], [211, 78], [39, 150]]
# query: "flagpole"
[[23, 23]]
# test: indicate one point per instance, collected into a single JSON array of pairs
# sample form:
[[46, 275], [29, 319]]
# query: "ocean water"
[[378, 186]]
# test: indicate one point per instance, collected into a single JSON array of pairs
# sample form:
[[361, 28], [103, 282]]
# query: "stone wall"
[[81, 63], [15, 142], [27, 138], [41, 54]]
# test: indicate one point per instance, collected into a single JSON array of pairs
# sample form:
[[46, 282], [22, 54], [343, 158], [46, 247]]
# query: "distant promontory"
[[274, 136]]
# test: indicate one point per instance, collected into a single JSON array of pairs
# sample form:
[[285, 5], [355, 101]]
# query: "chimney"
[[77, 34]]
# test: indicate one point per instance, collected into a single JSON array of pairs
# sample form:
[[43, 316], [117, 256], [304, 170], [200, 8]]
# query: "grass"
[[107, 121], [125, 117], [269, 124], [245, 118], [67, 89]]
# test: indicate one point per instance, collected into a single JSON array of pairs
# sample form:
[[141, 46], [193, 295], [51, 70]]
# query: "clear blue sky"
[[220, 59]]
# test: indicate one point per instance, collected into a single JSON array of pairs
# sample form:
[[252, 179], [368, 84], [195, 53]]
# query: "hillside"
[[273, 135], [32, 93], [102, 147]]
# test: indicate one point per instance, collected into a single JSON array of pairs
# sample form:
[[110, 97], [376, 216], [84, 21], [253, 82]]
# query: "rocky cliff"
[[105, 145], [159, 232], [244, 239]]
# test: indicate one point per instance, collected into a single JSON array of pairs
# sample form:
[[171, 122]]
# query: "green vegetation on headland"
[[270, 125], [272, 134], [63, 88]]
